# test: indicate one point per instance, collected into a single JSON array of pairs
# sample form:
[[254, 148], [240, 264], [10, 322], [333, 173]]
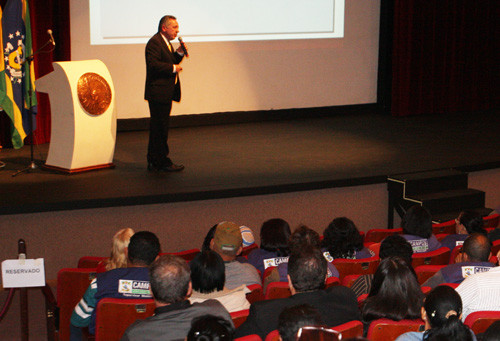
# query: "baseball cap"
[[227, 237]]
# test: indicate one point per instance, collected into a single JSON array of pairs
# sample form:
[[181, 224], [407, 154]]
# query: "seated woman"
[[342, 240], [208, 278], [417, 230], [395, 293], [467, 223], [441, 313], [118, 257], [302, 237], [274, 236], [391, 246]]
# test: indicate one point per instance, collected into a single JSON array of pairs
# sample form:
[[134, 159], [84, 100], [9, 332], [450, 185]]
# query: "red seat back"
[[115, 315], [377, 235], [448, 227], [479, 321], [389, 330], [239, 317], [350, 329], [71, 285], [424, 272], [440, 256], [348, 267], [277, 290]]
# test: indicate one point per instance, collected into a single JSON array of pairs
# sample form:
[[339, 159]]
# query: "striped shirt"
[[480, 292]]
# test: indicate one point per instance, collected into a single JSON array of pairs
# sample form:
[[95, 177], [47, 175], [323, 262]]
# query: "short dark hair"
[[395, 292], [207, 272], [293, 318], [274, 236], [417, 221], [169, 279], [302, 236], [165, 20], [342, 238], [210, 328], [143, 248], [307, 269], [396, 245], [472, 221], [478, 247]]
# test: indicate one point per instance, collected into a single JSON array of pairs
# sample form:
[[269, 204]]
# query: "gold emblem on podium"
[[94, 93]]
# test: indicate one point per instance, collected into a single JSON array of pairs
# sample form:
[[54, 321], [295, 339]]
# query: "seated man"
[[480, 292], [473, 259], [171, 288], [142, 250], [306, 279], [227, 242]]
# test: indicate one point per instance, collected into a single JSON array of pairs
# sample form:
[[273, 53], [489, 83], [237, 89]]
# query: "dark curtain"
[[46, 14], [444, 56]]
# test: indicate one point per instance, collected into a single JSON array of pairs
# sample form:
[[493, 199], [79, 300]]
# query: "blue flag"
[[17, 75]]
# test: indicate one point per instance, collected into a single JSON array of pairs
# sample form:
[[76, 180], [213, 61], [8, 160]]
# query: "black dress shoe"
[[173, 168]]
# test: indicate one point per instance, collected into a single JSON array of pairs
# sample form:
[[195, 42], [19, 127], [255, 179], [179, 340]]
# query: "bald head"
[[477, 247]]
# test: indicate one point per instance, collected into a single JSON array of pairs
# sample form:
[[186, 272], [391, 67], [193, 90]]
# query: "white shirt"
[[480, 292]]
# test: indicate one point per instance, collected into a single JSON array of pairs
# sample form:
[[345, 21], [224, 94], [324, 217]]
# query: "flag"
[[17, 75]]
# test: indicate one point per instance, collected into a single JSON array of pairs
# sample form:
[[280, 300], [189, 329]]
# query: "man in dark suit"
[[307, 270], [162, 87]]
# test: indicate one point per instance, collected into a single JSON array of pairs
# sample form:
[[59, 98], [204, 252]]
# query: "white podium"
[[82, 101]]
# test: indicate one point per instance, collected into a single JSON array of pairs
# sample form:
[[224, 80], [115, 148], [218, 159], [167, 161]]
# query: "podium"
[[82, 100]]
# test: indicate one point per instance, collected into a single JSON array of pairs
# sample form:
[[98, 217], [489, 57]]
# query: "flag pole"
[[32, 166]]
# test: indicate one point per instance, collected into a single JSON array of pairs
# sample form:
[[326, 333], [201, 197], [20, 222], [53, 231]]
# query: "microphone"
[[49, 31], [183, 46]]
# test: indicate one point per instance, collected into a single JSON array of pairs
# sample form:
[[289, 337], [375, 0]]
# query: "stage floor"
[[259, 158]]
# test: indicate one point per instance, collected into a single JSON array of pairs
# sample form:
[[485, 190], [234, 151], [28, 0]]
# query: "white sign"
[[22, 273]]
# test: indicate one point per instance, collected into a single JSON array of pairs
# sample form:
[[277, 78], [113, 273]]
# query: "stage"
[[259, 158]]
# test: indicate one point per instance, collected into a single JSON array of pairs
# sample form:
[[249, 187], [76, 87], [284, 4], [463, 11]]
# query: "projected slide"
[[134, 22]]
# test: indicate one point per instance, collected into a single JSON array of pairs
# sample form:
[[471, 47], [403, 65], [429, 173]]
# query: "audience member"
[[473, 260], [227, 242], [395, 293], [468, 222], [142, 250], [306, 279], [303, 237], [171, 286], [210, 328], [343, 240], [273, 250], [208, 278], [303, 322], [391, 246], [417, 229], [118, 257], [441, 313], [247, 236], [481, 291]]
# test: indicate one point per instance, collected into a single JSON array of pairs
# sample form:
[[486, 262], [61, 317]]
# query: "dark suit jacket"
[[336, 305], [160, 78]]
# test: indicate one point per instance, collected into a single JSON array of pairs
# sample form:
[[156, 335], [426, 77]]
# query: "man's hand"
[[178, 68]]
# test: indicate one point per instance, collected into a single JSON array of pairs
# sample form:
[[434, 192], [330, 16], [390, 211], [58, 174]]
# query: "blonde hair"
[[118, 258]]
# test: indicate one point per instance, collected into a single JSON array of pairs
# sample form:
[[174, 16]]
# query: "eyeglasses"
[[318, 334]]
